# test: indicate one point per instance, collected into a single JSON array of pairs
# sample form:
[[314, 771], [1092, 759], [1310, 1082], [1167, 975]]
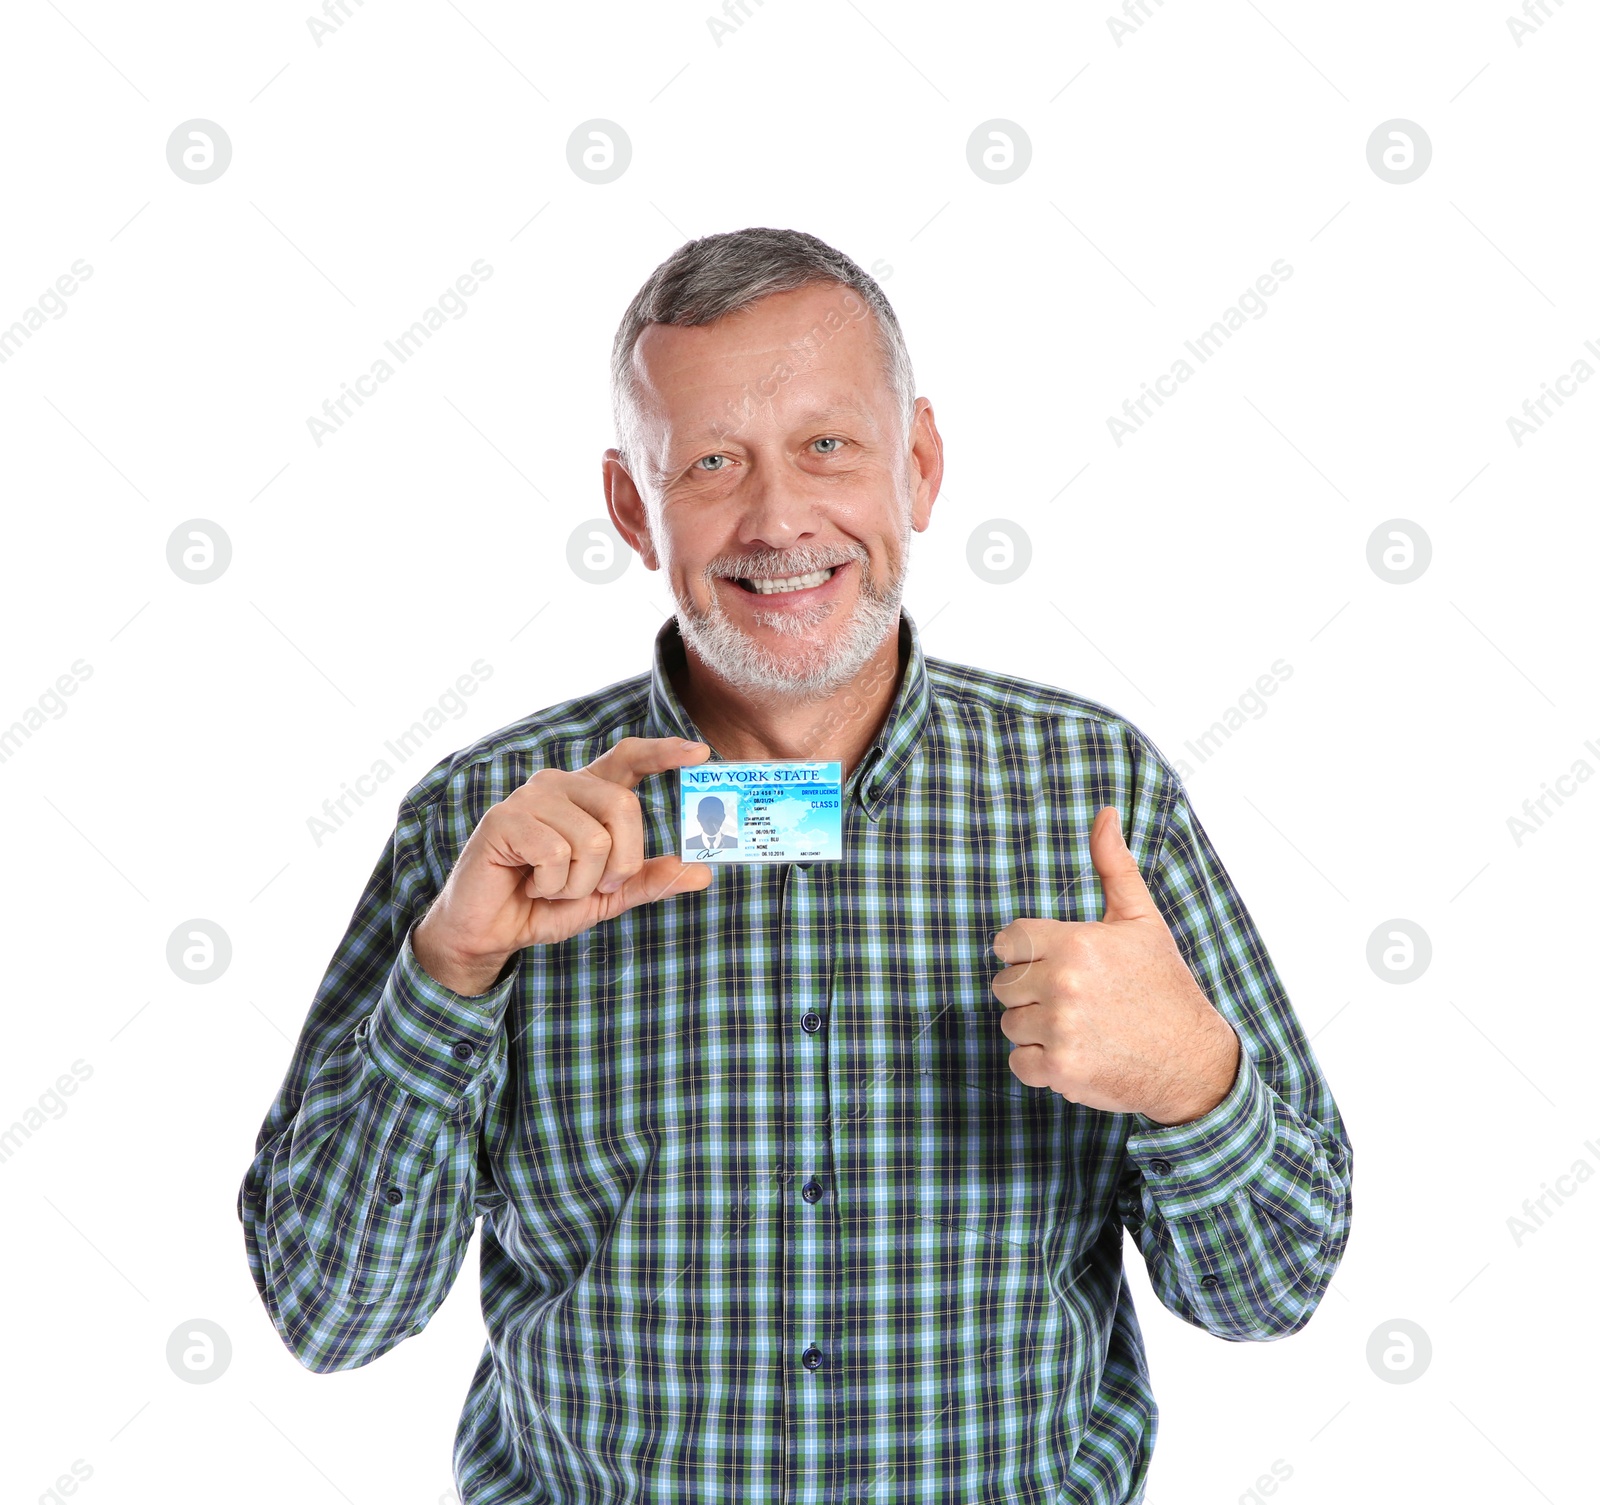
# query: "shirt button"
[[394, 1196], [461, 1050], [1210, 1281], [812, 1190], [812, 1357], [810, 1022], [1161, 1167]]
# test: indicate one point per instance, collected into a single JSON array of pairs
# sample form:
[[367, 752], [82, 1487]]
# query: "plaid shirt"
[[766, 1215]]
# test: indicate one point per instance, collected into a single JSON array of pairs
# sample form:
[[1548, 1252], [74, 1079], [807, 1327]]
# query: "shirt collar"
[[875, 776]]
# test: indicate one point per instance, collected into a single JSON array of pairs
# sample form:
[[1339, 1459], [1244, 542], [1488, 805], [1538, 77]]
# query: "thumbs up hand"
[[1106, 1012]]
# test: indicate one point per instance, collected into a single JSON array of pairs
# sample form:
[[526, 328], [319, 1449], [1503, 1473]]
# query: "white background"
[[1168, 573]]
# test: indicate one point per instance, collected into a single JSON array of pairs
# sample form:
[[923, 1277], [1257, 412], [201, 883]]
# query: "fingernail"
[[611, 885]]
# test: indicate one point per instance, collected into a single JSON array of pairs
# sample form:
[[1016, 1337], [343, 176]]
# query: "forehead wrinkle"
[[713, 432]]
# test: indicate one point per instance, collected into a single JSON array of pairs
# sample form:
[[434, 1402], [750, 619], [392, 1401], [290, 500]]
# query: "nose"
[[777, 514]]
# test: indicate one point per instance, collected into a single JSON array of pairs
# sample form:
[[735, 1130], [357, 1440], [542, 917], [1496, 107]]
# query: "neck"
[[840, 727]]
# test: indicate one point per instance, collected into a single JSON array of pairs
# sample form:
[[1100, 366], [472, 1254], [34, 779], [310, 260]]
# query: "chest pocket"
[[959, 1045], [963, 1048]]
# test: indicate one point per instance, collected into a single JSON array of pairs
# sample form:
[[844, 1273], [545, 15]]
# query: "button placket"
[[809, 1233]]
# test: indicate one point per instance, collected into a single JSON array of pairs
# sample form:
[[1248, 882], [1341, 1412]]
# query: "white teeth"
[[793, 582]]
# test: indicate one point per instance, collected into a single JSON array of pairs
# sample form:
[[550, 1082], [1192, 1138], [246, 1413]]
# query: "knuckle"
[[553, 847], [623, 802]]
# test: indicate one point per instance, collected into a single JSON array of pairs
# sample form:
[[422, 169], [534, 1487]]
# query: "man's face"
[[770, 451]]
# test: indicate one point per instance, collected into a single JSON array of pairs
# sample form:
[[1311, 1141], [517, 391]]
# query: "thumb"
[[1126, 896], [659, 878]]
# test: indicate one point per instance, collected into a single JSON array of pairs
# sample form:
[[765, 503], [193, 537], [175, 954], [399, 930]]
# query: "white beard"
[[806, 676]]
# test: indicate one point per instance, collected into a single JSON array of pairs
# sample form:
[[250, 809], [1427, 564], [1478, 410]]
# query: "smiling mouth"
[[778, 584]]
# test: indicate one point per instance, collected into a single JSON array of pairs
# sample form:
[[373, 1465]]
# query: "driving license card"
[[761, 812]]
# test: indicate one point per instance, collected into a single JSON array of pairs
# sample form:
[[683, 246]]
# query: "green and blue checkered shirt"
[[766, 1215]]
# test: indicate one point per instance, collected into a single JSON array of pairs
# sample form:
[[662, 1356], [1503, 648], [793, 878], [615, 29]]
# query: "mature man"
[[771, 1208]]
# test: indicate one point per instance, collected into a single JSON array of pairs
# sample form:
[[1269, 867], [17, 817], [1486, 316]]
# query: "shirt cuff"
[[431, 1041], [1192, 1166]]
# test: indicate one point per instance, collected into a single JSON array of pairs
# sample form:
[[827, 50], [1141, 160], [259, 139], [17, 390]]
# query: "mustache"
[[782, 562]]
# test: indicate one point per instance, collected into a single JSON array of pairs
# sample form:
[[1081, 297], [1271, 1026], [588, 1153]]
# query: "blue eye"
[[704, 458], [828, 440]]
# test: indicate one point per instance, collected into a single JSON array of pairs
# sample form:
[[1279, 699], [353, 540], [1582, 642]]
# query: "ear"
[[926, 462], [627, 510]]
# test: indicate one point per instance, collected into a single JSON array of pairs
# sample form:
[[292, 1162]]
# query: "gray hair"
[[715, 275]]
